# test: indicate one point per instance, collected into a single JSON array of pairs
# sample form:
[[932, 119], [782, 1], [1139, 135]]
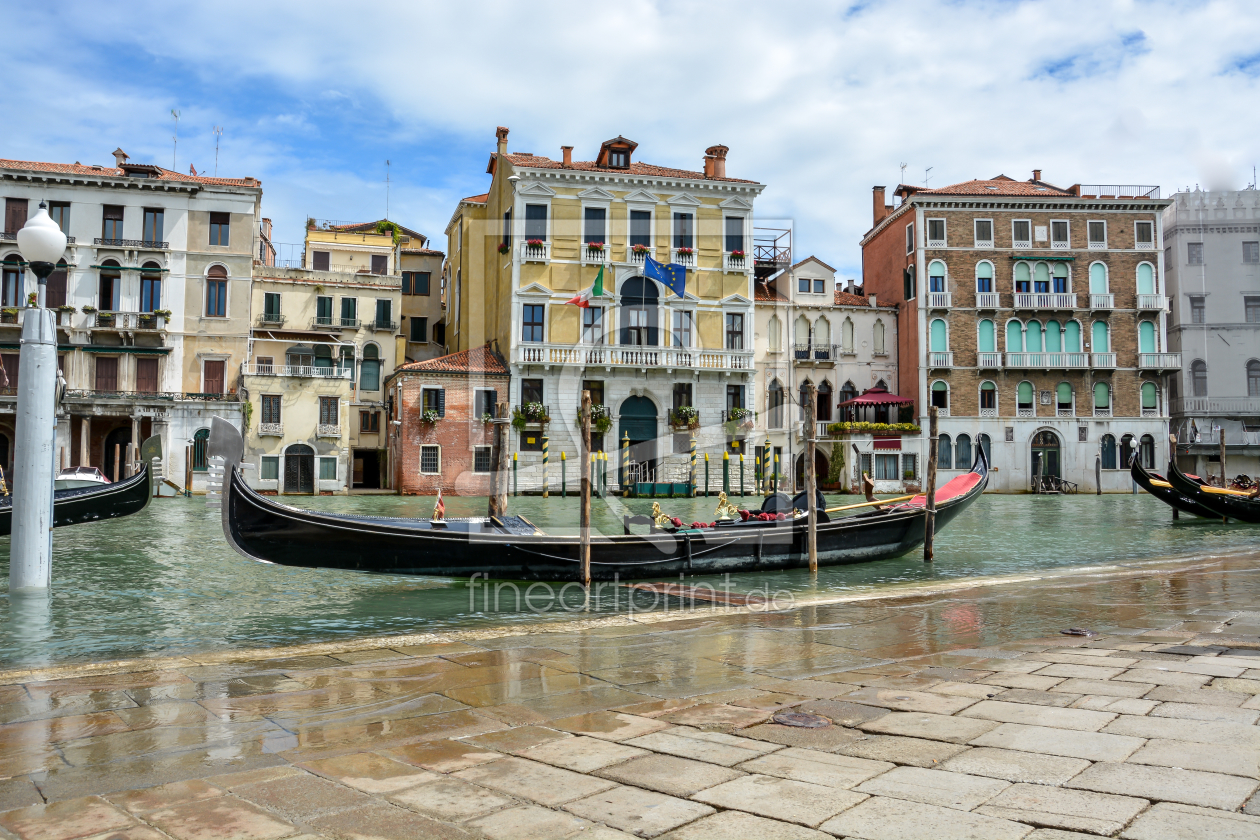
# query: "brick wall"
[[457, 433], [884, 261]]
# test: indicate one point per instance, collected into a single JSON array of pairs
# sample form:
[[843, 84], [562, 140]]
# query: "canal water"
[[164, 581]]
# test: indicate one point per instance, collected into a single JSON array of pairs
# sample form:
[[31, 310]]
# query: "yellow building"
[[541, 234]]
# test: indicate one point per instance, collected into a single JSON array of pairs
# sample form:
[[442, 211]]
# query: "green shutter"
[[1025, 393], [940, 336], [1101, 345], [1014, 337], [1064, 391], [1072, 337], [1146, 279], [1032, 337], [1054, 337], [1146, 337], [1102, 395], [1097, 279], [1150, 395], [988, 341]]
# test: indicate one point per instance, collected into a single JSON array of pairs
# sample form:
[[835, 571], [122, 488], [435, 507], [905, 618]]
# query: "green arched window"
[[1022, 277], [200, 439], [1146, 337], [1014, 337], [984, 277], [1101, 343], [936, 276], [1098, 279], [1060, 273], [1032, 337], [1146, 279], [1041, 278], [1072, 337], [370, 376], [988, 339], [1063, 394], [1054, 337], [940, 336], [1025, 392], [1150, 395], [1102, 395]]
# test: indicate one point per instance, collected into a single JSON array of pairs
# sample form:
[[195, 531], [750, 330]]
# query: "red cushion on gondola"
[[952, 489]]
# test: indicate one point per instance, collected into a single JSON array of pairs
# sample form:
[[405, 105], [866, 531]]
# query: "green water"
[[165, 582]]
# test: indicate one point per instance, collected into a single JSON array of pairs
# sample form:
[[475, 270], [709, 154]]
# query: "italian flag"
[[583, 299]]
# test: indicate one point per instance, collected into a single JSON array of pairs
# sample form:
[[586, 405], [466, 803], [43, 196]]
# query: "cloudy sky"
[[819, 101]]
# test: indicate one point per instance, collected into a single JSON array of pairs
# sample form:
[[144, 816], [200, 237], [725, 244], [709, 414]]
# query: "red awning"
[[877, 396]]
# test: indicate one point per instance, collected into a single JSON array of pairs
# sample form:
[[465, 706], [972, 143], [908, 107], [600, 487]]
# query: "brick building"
[[451, 448], [1034, 317]]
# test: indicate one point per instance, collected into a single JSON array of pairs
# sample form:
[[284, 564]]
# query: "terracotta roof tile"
[[423, 252], [475, 199], [483, 360], [635, 168], [1001, 185], [765, 293], [849, 299], [815, 259], [370, 227], [110, 171]]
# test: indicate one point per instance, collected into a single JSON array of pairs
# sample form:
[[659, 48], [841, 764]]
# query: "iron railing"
[[151, 244]]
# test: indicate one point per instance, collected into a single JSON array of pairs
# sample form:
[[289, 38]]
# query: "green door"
[[638, 422]]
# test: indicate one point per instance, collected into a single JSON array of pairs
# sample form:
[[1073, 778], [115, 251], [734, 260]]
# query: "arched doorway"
[[638, 421], [1045, 454], [119, 437], [299, 469]]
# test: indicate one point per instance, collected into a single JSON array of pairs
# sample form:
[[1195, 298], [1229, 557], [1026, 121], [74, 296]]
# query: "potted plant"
[[684, 417], [529, 414], [738, 420], [504, 247], [640, 249], [31, 299], [89, 309], [9, 315], [595, 247], [737, 256], [601, 419], [535, 243], [429, 415], [685, 251], [487, 418]]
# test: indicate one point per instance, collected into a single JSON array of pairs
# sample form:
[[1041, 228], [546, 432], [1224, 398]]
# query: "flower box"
[[684, 417], [640, 249], [686, 252], [504, 247], [595, 246], [535, 243]]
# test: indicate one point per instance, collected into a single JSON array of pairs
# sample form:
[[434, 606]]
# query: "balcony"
[[1065, 412], [594, 256], [686, 257], [817, 352], [988, 412], [114, 320], [1047, 361], [1144, 246], [1215, 406], [144, 244], [327, 322], [939, 300], [539, 252], [1021, 411], [271, 319], [1097, 246], [989, 361], [1159, 361], [303, 371], [271, 429], [383, 326], [1060, 245], [988, 300], [1044, 300], [1118, 191], [616, 355], [1104, 360], [639, 257], [936, 243], [735, 262], [940, 360], [327, 430], [1022, 244], [1102, 302], [1102, 412], [1152, 302]]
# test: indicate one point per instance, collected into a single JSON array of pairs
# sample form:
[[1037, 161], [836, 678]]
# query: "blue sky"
[[818, 101]]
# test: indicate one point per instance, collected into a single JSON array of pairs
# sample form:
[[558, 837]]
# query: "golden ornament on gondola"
[[726, 510], [662, 520]]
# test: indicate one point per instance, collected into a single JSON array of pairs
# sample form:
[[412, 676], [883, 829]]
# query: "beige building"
[[423, 334]]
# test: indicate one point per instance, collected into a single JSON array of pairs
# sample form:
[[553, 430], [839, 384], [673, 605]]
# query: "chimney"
[[1036, 174], [567, 153], [718, 153], [120, 157], [877, 205], [501, 134], [708, 166]]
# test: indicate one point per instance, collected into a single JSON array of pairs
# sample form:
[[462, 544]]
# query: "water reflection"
[[164, 581]]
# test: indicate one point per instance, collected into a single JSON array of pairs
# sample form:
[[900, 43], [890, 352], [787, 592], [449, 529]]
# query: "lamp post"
[[30, 555]]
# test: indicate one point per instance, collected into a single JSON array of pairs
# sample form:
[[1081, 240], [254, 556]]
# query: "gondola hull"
[[1166, 493], [90, 504], [1222, 505]]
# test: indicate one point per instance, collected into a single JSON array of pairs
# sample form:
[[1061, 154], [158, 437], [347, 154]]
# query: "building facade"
[[152, 300], [1212, 256], [1035, 318], [542, 234], [423, 333]]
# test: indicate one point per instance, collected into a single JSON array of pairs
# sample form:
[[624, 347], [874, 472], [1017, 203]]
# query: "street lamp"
[[30, 550]]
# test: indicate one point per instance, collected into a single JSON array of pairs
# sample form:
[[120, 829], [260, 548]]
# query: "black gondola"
[[90, 504], [1223, 503], [1160, 488], [511, 547]]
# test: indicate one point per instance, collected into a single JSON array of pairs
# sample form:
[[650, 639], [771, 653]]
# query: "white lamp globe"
[[40, 239]]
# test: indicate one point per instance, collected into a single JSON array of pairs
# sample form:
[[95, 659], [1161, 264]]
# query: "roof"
[[635, 168], [877, 396], [812, 258], [370, 227], [849, 299], [475, 199], [1001, 185], [483, 360], [765, 293], [422, 252], [114, 172]]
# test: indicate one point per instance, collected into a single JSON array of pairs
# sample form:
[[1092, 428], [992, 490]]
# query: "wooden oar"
[[869, 504]]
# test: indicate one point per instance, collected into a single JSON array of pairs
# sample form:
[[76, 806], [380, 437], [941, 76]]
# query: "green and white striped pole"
[[691, 490], [741, 475], [545, 477], [625, 464]]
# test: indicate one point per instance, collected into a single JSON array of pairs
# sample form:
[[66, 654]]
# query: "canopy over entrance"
[[873, 404], [877, 396]]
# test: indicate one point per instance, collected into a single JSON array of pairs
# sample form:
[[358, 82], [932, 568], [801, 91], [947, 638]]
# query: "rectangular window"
[[213, 371], [908, 281], [106, 373], [1021, 233], [641, 228], [532, 322], [14, 214], [406, 282], [1097, 234], [271, 306], [420, 330], [593, 325], [1060, 235], [507, 228], [802, 285], [327, 469], [265, 364], [107, 296], [270, 468], [349, 311], [596, 387], [1251, 252], [320, 260], [323, 310], [150, 292], [481, 459], [216, 297], [936, 233], [147, 376], [329, 411], [535, 222], [734, 331], [1194, 253], [531, 391], [380, 264], [11, 364], [820, 286], [220, 229], [1252, 307], [430, 460], [910, 238], [886, 467], [594, 223], [734, 396], [59, 211], [369, 422], [684, 230], [1198, 307], [484, 403], [270, 408], [384, 314], [1144, 235], [734, 233], [909, 467], [682, 327], [531, 441], [112, 222], [152, 226], [433, 399], [984, 233], [420, 282]]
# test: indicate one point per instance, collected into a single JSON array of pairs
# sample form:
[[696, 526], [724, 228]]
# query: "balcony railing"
[[275, 429], [1156, 302], [988, 412], [383, 326], [1104, 360], [149, 244], [939, 300], [940, 360], [536, 253], [817, 352], [1144, 246], [678, 255], [329, 322], [1047, 361], [1119, 191], [640, 257], [1150, 412], [104, 319], [594, 256], [1159, 361], [5, 236], [1100, 302], [1025, 412], [1060, 245], [733, 262], [1102, 412], [1021, 244], [989, 360], [1216, 405], [988, 300], [270, 319], [327, 430], [1044, 300], [1065, 412], [1097, 246], [305, 371], [615, 355]]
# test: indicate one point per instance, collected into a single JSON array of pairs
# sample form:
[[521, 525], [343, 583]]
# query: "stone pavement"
[[942, 724]]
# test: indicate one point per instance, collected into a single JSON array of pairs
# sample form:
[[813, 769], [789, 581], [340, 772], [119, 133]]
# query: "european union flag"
[[672, 276]]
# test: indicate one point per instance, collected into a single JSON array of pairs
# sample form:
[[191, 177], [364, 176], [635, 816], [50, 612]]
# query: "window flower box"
[[504, 247], [684, 417], [601, 419], [686, 252], [595, 246], [8, 315], [430, 416], [641, 249], [882, 429], [739, 420], [529, 414]]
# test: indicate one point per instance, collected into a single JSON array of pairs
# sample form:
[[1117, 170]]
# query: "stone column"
[[85, 441]]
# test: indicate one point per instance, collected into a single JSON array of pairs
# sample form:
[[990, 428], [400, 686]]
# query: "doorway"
[[299, 469], [638, 421], [119, 438], [1045, 455], [367, 470]]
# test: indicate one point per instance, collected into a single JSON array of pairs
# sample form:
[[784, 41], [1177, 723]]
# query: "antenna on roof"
[[903, 173], [927, 177], [175, 138], [387, 189], [218, 132]]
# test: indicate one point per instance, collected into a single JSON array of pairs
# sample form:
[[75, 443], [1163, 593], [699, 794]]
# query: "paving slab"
[[1073, 810], [1093, 746], [1088, 672], [1241, 686], [1034, 682], [843, 712], [641, 812], [1207, 732], [916, 752], [1161, 677], [385, 822], [820, 768], [1169, 821], [736, 824], [1078, 719], [516, 739], [61, 820], [450, 799], [611, 726], [1032, 697], [371, 772], [581, 754], [1115, 705], [954, 730], [713, 747], [220, 818], [443, 756], [825, 738], [1167, 784], [910, 701], [1107, 687], [1105, 659], [716, 716], [1203, 696], [531, 780], [1016, 766], [531, 822], [879, 818], [1198, 711], [1210, 666], [301, 797], [977, 691], [1191, 755], [935, 787], [1059, 834], [669, 774], [781, 799]]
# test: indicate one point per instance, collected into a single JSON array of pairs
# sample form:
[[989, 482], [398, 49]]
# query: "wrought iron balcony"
[[616, 355], [270, 319], [818, 352], [144, 244], [383, 326], [329, 322], [116, 320]]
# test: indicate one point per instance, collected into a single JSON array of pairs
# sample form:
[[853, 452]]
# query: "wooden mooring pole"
[[584, 521], [498, 474], [811, 478], [929, 521], [1224, 475]]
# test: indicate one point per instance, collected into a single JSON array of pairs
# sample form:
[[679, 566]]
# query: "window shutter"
[[441, 392], [493, 396]]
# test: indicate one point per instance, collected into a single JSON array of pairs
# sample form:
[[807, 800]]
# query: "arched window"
[[1145, 279], [822, 333], [940, 336], [846, 335], [150, 287], [1108, 449], [882, 384], [640, 313], [824, 402], [1098, 279], [802, 334], [1253, 378], [1198, 378], [1014, 337], [1032, 337], [200, 439], [1023, 278], [323, 357], [1102, 343], [216, 291], [1127, 446], [1054, 337], [109, 286], [1072, 337], [988, 399], [1063, 398], [879, 337], [1102, 398], [962, 452], [1060, 274], [848, 392], [1150, 398], [776, 404], [1146, 337], [940, 395], [936, 276], [1146, 452], [803, 397], [370, 378], [1024, 399], [983, 443], [347, 361], [944, 453], [984, 277], [14, 271], [1041, 278], [774, 334], [987, 338]]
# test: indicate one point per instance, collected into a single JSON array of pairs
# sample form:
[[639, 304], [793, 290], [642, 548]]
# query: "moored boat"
[[1160, 488], [73, 478], [1221, 501], [97, 501]]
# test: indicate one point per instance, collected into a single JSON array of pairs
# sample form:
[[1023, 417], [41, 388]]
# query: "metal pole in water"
[[811, 480], [706, 475], [929, 523], [516, 487], [741, 475], [584, 523], [691, 476], [726, 473], [564, 484], [498, 477], [1224, 480]]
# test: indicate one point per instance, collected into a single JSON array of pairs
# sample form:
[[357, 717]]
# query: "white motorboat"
[[73, 478]]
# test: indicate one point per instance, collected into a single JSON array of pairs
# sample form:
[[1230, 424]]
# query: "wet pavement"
[[953, 711]]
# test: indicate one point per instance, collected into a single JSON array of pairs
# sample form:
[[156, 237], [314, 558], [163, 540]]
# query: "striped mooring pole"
[[515, 485], [706, 475], [563, 483], [776, 471], [741, 475], [625, 464], [766, 475], [691, 491], [726, 472], [545, 478]]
